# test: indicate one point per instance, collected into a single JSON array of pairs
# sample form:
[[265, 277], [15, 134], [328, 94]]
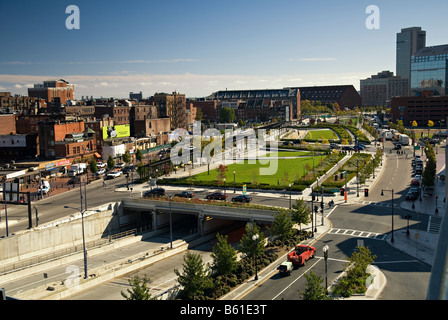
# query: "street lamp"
[[224, 185], [234, 182], [289, 196], [382, 193], [408, 216], [255, 239], [83, 239], [325, 249], [171, 225]]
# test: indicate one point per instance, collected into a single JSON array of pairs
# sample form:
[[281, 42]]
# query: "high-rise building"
[[409, 41], [429, 70]]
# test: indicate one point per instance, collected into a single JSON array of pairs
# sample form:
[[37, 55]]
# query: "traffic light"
[[336, 177], [366, 192], [316, 209], [342, 191]]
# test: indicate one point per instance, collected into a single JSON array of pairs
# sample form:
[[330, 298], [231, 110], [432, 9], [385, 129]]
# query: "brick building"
[[52, 89], [66, 140], [420, 108], [172, 106], [345, 96]]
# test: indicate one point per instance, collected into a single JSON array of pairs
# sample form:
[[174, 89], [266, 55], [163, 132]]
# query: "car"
[[185, 194], [100, 172], [412, 194], [397, 147], [216, 196], [114, 174], [120, 165], [301, 254], [242, 198], [101, 165], [285, 268], [347, 148], [415, 182], [154, 192], [130, 168]]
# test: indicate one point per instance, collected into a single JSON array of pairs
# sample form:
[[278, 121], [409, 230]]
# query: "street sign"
[[244, 189], [416, 147]]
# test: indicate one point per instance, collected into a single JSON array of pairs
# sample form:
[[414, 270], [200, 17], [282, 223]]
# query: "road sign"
[[416, 147], [244, 189]]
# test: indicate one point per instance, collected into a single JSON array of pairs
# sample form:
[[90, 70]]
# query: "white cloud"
[[192, 85]]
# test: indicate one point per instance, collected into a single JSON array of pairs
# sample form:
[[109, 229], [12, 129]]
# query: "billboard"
[[118, 131]]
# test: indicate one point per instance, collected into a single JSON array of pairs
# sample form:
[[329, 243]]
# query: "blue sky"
[[198, 47]]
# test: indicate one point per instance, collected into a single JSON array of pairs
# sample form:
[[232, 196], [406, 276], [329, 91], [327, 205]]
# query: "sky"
[[198, 47]]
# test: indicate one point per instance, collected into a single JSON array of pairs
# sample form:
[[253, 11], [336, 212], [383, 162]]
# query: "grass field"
[[287, 171], [321, 134]]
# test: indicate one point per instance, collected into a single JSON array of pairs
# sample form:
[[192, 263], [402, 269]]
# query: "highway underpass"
[[199, 218]]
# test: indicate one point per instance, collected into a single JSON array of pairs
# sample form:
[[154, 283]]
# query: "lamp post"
[[83, 238], [234, 190], [255, 239], [171, 225], [289, 196], [382, 193], [408, 216], [325, 249], [224, 185]]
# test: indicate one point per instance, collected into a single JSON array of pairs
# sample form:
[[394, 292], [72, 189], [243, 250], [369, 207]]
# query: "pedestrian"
[[104, 183]]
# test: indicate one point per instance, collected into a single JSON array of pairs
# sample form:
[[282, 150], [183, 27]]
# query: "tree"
[[224, 256], [227, 115], [247, 245], [221, 173], [314, 289], [300, 213], [93, 166], [139, 155], [127, 157], [139, 289], [282, 225], [194, 279], [110, 162], [430, 125]]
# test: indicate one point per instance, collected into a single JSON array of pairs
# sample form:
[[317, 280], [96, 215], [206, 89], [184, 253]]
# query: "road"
[[407, 278]]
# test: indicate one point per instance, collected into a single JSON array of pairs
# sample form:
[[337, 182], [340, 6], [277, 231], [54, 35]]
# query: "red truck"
[[301, 254]]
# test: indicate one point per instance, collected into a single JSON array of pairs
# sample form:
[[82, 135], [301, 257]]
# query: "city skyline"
[[200, 47]]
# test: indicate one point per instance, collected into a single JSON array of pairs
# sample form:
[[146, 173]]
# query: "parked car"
[[412, 194], [216, 196], [101, 165], [347, 148], [285, 268], [185, 194], [114, 174], [154, 192], [120, 165], [242, 198], [100, 172], [130, 168]]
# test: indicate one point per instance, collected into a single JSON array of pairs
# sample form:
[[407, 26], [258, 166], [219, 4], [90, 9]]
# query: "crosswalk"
[[358, 233], [434, 224], [381, 204]]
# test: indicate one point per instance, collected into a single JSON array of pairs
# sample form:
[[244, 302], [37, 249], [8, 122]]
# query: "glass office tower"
[[409, 41], [429, 70]]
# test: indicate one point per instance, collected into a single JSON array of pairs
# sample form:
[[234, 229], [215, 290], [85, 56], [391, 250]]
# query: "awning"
[[96, 154]]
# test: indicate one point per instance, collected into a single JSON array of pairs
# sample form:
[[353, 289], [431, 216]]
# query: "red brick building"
[[52, 89], [420, 108], [66, 140]]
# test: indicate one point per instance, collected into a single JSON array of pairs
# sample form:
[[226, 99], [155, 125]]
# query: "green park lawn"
[[287, 171], [321, 134]]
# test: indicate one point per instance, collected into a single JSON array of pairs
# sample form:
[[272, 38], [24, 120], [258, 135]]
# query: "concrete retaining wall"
[[58, 235]]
